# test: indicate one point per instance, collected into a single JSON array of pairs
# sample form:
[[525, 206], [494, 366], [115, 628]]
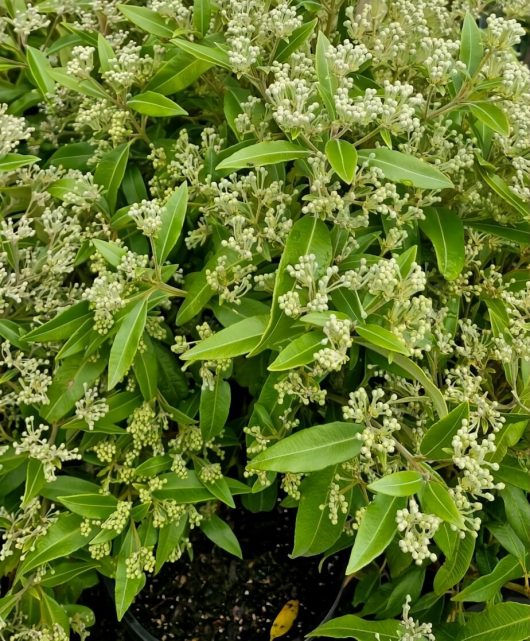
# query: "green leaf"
[[173, 216], [505, 535], [61, 539], [86, 87], [177, 73], [398, 484], [65, 571], [517, 512], [400, 167], [62, 326], [445, 230], [376, 531], [154, 466], [111, 252], [235, 340], [471, 48], [501, 622], [126, 588], [296, 40], [202, 13], [499, 186], [351, 626], [491, 116], [327, 84], [146, 370], [211, 55], [150, 103], [263, 153], [73, 156], [311, 449], [188, 490], [342, 157], [455, 567], [220, 533], [91, 506], [307, 236], [126, 342], [39, 67], [110, 171], [34, 480], [314, 532], [381, 337], [168, 540], [435, 499], [487, 587], [105, 53], [149, 21], [10, 162], [214, 408], [298, 352], [439, 436]]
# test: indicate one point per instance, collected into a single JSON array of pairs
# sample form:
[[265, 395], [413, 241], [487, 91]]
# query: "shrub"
[[256, 249]]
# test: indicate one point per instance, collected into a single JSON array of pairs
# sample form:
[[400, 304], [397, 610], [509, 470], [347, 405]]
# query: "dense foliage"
[[262, 249]]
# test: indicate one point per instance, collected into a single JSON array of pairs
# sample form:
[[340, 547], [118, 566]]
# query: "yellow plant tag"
[[285, 619]]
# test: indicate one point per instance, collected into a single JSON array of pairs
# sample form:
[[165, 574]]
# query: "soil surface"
[[217, 596]]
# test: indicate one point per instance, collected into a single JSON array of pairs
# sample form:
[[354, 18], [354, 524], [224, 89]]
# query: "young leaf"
[[435, 498], [127, 587], [501, 188], [220, 533], [376, 531], [10, 162], [298, 352], [110, 171], [168, 540], [105, 53], [263, 153], [471, 48], [126, 342], [501, 622], [439, 436], [173, 216], [445, 230], [202, 12], [62, 326], [310, 449], [177, 73], [146, 370], [39, 67], [211, 55], [403, 168], [517, 512], [73, 156], [232, 341], [456, 566], [492, 116], [487, 587], [342, 157], [398, 484], [381, 337], [149, 21], [214, 408], [351, 626], [314, 532], [327, 84], [111, 252], [150, 103], [91, 506], [298, 37]]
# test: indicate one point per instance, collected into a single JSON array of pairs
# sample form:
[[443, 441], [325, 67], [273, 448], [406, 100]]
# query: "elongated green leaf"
[[62, 326], [342, 157], [298, 352], [263, 153], [492, 116], [126, 342], [314, 532], [10, 162], [150, 103], [168, 539], [149, 21], [111, 252], [517, 512], [313, 448], [105, 53], [110, 171], [327, 84], [39, 67], [214, 408], [64, 571], [210, 54], [296, 40], [381, 337], [232, 341], [173, 216], [398, 484], [435, 498], [471, 48], [146, 370], [487, 587], [86, 87], [505, 535], [501, 622], [378, 527], [456, 566], [177, 73], [73, 156], [202, 12], [351, 626], [91, 506], [34, 480], [307, 236], [222, 535], [438, 438], [499, 186], [62, 538], [445, 230], [403, 168], [125, 586]]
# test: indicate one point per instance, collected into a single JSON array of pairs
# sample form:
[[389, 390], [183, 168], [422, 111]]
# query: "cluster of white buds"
[[338, 337], [411, 630], [144, 427], [302, 386], [210, 473], [105, 451], [81, 64], [148, 217], [337, 503], [417, 530], [105, 297], [259, 442], [119, 518], [12, 130], [22, 528], [34, 378], [346, 57], [91, 408], [128, 66], [143, 560], [291, 484], [165, 512], [502, 33], [231, 281]]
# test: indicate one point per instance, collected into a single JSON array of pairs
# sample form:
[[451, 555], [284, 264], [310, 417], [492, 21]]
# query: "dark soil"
[[217, 596]]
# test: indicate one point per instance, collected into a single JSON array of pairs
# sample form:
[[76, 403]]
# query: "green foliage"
[[279, 250]]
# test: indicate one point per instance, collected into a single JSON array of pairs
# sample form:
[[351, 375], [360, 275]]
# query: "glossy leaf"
[[91, 506], [501, 622], [210, 54], [398, 484], [263, 153], [455, 567], [381, 337], [491, 116], [436, 443], [342, 157], [298, 352], [10, 162], [214, 408], [351, 626], [110, 171], [471, 47], [173, 216], [222, 535], [487, 587], [39, 67], [445, 230], [150, 103], [310, 449], [148, 20], [126, 342], [435, 499]]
